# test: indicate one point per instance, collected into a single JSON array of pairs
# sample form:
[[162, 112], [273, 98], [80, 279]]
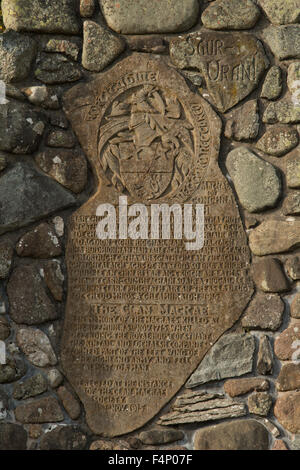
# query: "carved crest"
[[146, 146]]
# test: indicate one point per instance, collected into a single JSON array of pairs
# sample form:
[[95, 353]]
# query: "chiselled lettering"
[[231, 65]]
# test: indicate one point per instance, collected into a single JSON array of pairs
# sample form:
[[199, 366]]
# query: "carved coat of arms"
[[146, 146]]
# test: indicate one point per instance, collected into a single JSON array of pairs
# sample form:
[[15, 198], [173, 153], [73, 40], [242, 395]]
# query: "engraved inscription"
[[232, 65], [141, 314]]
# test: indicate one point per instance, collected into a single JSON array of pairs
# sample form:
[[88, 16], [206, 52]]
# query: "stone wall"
[[245, 394]]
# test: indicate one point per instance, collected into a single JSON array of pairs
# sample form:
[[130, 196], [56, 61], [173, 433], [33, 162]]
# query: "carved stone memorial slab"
[[232, 64], [142, 313]]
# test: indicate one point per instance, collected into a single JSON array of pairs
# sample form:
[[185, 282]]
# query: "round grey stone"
[[231, 356], [272, 86], [142, 17], [256, 181], [230, 14]]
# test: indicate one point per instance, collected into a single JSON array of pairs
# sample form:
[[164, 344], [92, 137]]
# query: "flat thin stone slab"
[[275, 236], [200, 407], [231, 63], [143, 17], [140, 316], [231, 356], [271, 428], [36, 196]]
